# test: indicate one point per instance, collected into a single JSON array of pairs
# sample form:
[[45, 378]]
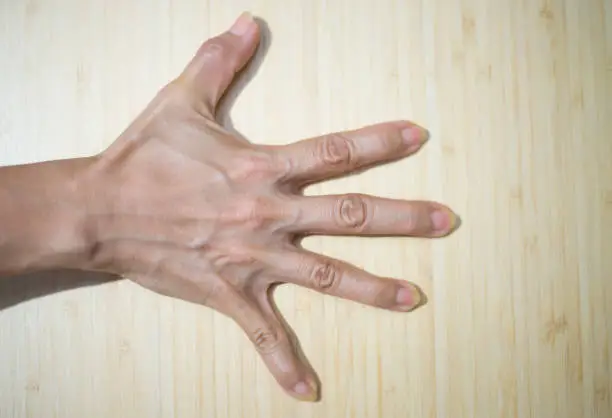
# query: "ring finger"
[[341, 279]]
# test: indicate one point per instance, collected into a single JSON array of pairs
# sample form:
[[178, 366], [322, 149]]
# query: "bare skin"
[[183, 207]]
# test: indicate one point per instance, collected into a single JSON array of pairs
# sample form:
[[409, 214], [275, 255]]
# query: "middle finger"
[[359, 214]]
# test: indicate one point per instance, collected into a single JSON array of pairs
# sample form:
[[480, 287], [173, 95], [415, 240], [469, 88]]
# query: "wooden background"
[[517, 95]]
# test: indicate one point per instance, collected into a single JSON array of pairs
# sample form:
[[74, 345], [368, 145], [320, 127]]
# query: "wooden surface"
[[517, 96]]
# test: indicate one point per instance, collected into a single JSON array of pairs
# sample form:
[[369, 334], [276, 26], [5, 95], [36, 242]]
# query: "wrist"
[[44, 217]]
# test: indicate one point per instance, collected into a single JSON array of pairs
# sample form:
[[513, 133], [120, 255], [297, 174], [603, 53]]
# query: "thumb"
[[216, 63]]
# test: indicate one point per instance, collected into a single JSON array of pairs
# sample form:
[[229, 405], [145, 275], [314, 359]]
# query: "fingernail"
[[444, 220], [302, 388], [408, 297], [305, 391], [242, 24], [415, 135]]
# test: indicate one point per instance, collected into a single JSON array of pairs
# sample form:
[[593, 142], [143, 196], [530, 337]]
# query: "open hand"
[[189, 210]]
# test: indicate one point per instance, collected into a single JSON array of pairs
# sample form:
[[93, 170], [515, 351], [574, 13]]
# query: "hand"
[[188, 210]]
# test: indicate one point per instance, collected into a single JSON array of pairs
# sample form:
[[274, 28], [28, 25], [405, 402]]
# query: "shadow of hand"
[[17, 289]]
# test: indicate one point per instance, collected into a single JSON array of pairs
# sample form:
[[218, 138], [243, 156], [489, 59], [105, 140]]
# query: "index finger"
[[337, 154]]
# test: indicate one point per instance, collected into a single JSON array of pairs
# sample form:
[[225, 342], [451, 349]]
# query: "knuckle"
[[266, 340], [254, 167], [210, 291], [221, 50], [236, 256], [352, 211], [336, 150], [214, 49], [286, 166], [325, 276], [175, 97], [174, 91], [256, 211]]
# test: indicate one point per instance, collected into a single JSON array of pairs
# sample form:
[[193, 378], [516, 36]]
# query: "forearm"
[[43, 211]]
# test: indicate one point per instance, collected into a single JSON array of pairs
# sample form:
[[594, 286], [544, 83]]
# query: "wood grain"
[[518, 98]]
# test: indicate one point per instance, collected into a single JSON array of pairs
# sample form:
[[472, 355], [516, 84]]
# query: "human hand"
[[187, 209]]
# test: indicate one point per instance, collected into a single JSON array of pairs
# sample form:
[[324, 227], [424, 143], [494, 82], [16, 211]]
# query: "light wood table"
[[518, 98]]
